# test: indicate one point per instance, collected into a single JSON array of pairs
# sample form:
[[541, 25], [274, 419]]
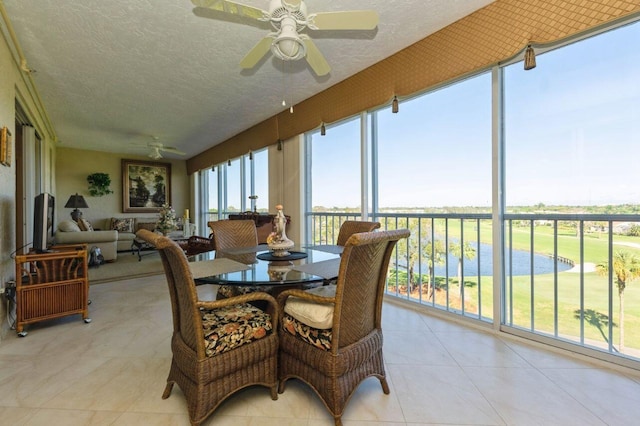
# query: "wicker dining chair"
[[336, 356], [218, 347], [350, 227], [232, 234]]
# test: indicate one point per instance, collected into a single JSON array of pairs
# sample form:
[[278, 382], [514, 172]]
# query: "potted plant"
[[99, 184]]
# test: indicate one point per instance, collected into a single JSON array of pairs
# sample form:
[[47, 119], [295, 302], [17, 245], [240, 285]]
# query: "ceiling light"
[[394, 105], [155, 153], [288, 45]]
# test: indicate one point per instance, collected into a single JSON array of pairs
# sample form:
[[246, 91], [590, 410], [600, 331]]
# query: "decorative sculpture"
[[277, 241]]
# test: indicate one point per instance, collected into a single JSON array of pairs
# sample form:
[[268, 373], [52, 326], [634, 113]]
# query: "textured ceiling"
[[114, 74]]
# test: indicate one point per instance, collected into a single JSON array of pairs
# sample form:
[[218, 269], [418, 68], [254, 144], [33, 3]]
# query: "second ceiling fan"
[[289, 18]]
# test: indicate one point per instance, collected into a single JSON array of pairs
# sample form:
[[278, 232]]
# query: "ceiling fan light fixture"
[[288, 46], [155, 154]]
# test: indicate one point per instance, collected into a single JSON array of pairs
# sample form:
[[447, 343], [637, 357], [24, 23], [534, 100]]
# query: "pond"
[[520, 261]]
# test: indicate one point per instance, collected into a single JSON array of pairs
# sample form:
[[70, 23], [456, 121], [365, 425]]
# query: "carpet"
[[126, 267]]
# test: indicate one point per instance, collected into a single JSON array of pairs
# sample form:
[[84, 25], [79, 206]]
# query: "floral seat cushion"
[[227, 291], [319, 338], [233, 326]]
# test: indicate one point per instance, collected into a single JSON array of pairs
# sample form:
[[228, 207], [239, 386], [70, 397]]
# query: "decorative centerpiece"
[[167, 220], [277, 241]]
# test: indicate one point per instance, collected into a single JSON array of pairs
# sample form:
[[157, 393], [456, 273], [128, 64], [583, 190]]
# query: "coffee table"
[[138, 245]]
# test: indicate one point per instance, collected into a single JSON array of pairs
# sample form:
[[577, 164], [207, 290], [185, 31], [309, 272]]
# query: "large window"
[[572, 137], [335, 168], [227, 186], [572, 124], [258, 180], [234, 187], [436, 151]]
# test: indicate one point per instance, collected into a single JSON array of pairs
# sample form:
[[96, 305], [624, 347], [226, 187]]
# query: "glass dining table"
[[256, 266]]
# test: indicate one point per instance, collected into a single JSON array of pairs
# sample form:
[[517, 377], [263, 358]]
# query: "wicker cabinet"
[[51, 285]]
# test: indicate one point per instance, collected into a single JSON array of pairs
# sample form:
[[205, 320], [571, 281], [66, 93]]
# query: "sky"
[[572, 132]]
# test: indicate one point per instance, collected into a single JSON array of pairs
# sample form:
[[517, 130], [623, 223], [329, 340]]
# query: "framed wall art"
[[5, 147], [146, 186]]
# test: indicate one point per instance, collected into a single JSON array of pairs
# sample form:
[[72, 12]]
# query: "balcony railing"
[[574, 278]]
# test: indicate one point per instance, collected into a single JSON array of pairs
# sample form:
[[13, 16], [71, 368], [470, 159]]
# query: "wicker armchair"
[[335, 359], [219, 347], [350, 227]]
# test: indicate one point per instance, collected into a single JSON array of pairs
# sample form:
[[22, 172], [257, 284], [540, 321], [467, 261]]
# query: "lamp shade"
[[76, 202]]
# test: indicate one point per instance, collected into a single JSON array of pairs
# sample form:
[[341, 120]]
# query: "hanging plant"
[[99, 184]]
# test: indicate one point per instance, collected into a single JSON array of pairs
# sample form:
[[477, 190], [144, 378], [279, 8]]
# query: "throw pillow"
[[68, 226], [122, 224], [316, 315], [84, 225], [149, 226]]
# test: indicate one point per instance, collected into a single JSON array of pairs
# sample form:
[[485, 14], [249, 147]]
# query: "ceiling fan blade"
[[232, 8], [259, 50], [316, 60], [173, 150], [347, 20], [291, 4]]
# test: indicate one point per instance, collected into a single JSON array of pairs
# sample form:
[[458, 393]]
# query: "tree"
[[435, 256], [159, 196], [634, 231], [626, 268], [469, 252], [141, 193]]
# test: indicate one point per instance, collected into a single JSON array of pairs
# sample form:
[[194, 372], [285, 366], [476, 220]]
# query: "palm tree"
[[626, 268], [435, 256], [469, 252]]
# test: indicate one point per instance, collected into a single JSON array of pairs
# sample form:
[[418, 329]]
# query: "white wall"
[[7, 174], [17, 86]]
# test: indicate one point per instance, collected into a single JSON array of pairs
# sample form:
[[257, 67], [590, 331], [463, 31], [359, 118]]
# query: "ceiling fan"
[[157, 148], [289, 18]]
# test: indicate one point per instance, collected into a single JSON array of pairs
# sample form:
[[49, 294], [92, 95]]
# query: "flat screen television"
[[43, 221]]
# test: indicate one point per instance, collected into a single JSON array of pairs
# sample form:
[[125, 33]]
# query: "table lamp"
[[75, 202]]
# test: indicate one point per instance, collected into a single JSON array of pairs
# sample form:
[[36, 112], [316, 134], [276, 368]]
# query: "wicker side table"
[[51, 285]]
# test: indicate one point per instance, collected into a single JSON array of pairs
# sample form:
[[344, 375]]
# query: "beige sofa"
[[112, 235], [107, 241]]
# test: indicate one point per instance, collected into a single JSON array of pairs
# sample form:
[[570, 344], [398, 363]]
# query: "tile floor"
[[113, 371]]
